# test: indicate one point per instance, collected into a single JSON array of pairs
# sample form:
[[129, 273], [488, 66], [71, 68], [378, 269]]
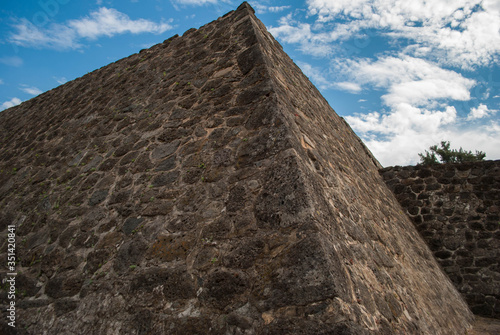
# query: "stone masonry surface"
[[456, 207], [204, 186]]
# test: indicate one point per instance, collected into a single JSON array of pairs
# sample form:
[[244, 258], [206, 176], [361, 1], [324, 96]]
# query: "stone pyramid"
[[204, 186]]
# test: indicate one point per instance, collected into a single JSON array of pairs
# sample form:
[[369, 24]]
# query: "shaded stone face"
[[204, 186]]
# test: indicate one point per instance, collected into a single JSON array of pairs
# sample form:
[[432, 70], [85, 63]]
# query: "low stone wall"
[[455, 207]]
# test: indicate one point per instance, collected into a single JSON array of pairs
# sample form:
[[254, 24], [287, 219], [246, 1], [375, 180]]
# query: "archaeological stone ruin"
[[204, 186]]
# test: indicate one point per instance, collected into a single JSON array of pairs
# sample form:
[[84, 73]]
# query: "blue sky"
[[404, 74]]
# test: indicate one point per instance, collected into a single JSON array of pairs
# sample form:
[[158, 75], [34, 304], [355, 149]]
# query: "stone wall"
[[455, 207]]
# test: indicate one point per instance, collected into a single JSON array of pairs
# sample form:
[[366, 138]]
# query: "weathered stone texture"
[[456, 208], [204, 186]]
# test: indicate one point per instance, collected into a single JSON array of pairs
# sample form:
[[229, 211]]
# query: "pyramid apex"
[[246, 5]]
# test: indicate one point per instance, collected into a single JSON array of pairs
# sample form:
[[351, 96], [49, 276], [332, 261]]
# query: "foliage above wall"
[[447, 155]]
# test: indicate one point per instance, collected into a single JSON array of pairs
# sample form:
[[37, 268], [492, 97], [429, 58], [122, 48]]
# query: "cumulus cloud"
[[480, 112], [407, 79], [462, 32], [103, 22], [11, 103], [405, 118], [110, 22], [348, 86]]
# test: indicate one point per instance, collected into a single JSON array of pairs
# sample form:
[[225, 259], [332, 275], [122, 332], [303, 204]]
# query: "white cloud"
[[406, 79], [11, 103], [57, 37], [462, 33], [11, 61], [348, 86], [487, 93], [403, 119], [480, 112], [109, 22], [262, 9], [31, 90], [1, 82], [103, 22], [294, 32], [424, 91], [391, 12]]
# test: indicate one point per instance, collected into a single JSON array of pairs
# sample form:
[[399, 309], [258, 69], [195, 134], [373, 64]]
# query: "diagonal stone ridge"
[[204, 186]]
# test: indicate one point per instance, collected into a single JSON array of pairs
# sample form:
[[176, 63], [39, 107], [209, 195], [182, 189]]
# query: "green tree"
[[447, 155]]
